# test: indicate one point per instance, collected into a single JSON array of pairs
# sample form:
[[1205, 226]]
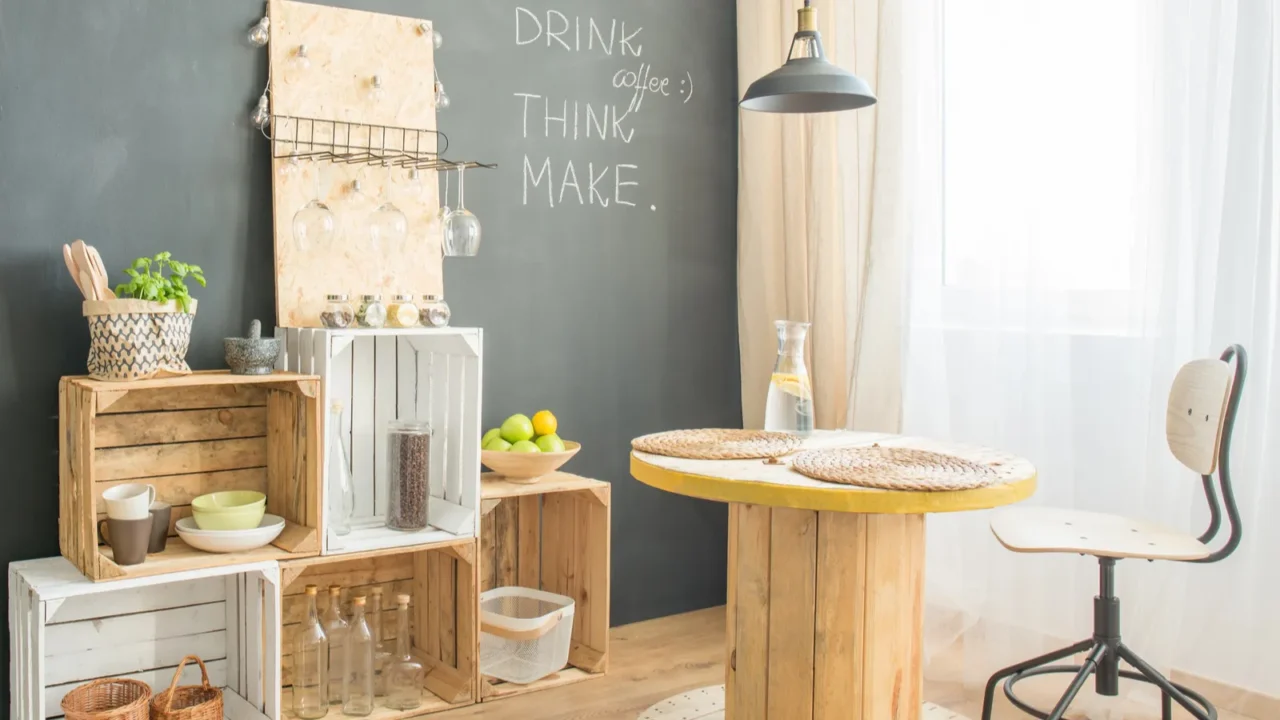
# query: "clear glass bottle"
[[402, 313], [381, 648], [789, 404], [434, 311], [357, 688], [337, 312], [404, 674], [336, 629], [408, 474], [342, 493], [310, 664], [372, 313]]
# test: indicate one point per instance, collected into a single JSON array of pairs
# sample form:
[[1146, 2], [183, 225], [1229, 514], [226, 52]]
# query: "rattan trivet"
[[894, 468], [718, 444]]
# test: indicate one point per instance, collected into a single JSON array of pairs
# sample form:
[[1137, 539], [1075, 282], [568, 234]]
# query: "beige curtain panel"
[[816, 232]]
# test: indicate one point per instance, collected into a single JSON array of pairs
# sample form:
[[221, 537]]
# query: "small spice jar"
[[337, 312], [372, 313], [408, 461], [402, 313], [434, 311]]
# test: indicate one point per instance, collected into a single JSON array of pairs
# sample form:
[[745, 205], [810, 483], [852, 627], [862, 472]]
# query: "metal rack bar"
[[360, 143]]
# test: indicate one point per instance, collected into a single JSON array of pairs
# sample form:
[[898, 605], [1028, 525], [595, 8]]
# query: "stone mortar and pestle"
[[253, 355]]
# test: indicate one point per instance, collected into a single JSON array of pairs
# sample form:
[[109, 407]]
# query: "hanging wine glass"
[[387, 225], [313, 225], [461, 228], [443, 212]]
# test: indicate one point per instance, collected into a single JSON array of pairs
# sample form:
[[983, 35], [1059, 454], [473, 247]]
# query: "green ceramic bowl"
[[229, 510]]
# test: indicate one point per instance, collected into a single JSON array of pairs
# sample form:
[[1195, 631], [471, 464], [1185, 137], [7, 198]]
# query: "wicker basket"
[[108, 699], [137, 339], [190, 702]]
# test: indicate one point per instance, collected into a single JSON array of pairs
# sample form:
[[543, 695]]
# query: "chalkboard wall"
[[606, 291]]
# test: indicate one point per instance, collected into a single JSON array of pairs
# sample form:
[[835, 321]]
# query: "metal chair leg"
[[1168, 689], [989, 697], [1090, 664], [1166, 706]]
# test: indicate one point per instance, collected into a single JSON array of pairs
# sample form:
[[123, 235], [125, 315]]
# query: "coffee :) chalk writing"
[[590, 182]]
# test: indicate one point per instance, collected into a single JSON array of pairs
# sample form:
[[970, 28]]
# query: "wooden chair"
[[1198, 423]]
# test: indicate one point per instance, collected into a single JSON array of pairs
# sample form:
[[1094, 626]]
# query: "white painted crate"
[[65, 630], [427, 374]]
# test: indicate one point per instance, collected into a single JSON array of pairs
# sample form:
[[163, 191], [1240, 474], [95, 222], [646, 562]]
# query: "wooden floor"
[[653, 660]]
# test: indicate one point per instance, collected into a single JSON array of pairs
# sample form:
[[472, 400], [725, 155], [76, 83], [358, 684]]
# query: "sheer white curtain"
[[1093, 203]]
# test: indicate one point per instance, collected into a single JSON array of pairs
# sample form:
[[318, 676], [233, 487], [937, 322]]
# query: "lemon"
[[792, 384], [544, 423]]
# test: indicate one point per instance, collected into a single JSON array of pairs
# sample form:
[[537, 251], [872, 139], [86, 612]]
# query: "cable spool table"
[[826, 581]]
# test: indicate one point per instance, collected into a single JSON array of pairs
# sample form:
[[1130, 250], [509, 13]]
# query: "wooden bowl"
[[527, 467]]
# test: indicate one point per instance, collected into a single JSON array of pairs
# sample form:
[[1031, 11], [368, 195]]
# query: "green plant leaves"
[[146, 283]]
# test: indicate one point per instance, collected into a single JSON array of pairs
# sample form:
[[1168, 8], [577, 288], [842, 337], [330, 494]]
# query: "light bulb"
[[436, 39], [260, 34], [442, 97], [375, 93], [261, 115], [290, 168], [300, 62]]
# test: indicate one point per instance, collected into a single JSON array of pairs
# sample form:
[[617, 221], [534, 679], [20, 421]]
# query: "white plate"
[[225, 541]]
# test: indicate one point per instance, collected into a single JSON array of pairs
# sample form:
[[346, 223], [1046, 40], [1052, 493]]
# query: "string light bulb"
[[442, 97], [261, 115], [436, 39], [375, 93], [300, 62], [260, 34]]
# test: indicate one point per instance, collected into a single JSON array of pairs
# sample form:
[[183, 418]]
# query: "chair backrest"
[[1196, 413]]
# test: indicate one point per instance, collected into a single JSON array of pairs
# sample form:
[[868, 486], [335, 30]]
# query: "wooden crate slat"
[[180, 490], [468, 437], [144, 461], [176, 426], [137, 600], [185, 397], [237, 631], [455, 386], [75, 637], [385, 384], [437, 374], [528, 540], [504, 521], [348, 573]]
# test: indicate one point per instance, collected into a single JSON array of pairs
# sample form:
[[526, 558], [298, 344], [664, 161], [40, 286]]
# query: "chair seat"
[[1051, 530]]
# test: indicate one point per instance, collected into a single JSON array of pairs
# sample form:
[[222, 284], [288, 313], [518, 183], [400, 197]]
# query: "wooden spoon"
[[75, 271], [101, 270], [88, 276]]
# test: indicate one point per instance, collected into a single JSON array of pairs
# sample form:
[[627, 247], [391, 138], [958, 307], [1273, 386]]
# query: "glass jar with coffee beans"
[[408, 474], [337, 312]]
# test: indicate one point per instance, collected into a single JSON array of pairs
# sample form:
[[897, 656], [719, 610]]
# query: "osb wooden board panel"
[[346, 48]]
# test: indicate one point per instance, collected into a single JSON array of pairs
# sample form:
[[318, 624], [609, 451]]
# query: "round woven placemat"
[[894, 468], [718, 444]]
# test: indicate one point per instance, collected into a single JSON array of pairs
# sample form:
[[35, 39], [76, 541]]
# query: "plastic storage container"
[[524, 634]]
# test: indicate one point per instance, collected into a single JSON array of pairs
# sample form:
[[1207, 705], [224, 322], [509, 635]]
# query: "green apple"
[[550, 443], [498, 445], [484, 441], [523, 446], [517, 428]]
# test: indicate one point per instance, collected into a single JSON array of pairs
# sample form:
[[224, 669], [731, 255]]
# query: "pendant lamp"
[[808, 83]]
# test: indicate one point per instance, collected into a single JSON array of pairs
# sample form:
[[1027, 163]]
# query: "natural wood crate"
[[187, 436], [444, 612], [551, 535], [65, 630], [426, 374]]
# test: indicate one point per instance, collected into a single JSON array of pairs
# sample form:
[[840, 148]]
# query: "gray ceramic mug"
[[128, 539], [160, 514]]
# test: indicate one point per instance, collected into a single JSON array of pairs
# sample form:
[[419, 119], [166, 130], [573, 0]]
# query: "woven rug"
[[718, 444], [894, 468]]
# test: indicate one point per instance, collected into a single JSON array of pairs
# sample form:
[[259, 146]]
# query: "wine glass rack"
[[339, 141]]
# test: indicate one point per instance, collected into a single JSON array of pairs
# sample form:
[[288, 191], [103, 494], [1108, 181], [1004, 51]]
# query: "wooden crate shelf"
[[427, 374], [551, 535], [65, 630], [188, 436], [442, 580]]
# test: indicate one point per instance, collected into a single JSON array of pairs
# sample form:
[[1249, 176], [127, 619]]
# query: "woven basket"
[[189, 702], [108, 699], [137, 339]]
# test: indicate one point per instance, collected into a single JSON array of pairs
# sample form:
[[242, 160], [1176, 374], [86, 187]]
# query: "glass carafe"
[[404, 674], [335, 628], [357, 686], [310, 664], [789, 405], [342, 493]]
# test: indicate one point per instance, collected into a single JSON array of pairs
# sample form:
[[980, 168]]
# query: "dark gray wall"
[[123, 122]]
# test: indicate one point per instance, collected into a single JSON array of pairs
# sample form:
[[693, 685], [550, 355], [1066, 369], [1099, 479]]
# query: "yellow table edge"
[[835, 498]]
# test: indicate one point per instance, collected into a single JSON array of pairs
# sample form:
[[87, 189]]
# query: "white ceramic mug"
[[129, 502]]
